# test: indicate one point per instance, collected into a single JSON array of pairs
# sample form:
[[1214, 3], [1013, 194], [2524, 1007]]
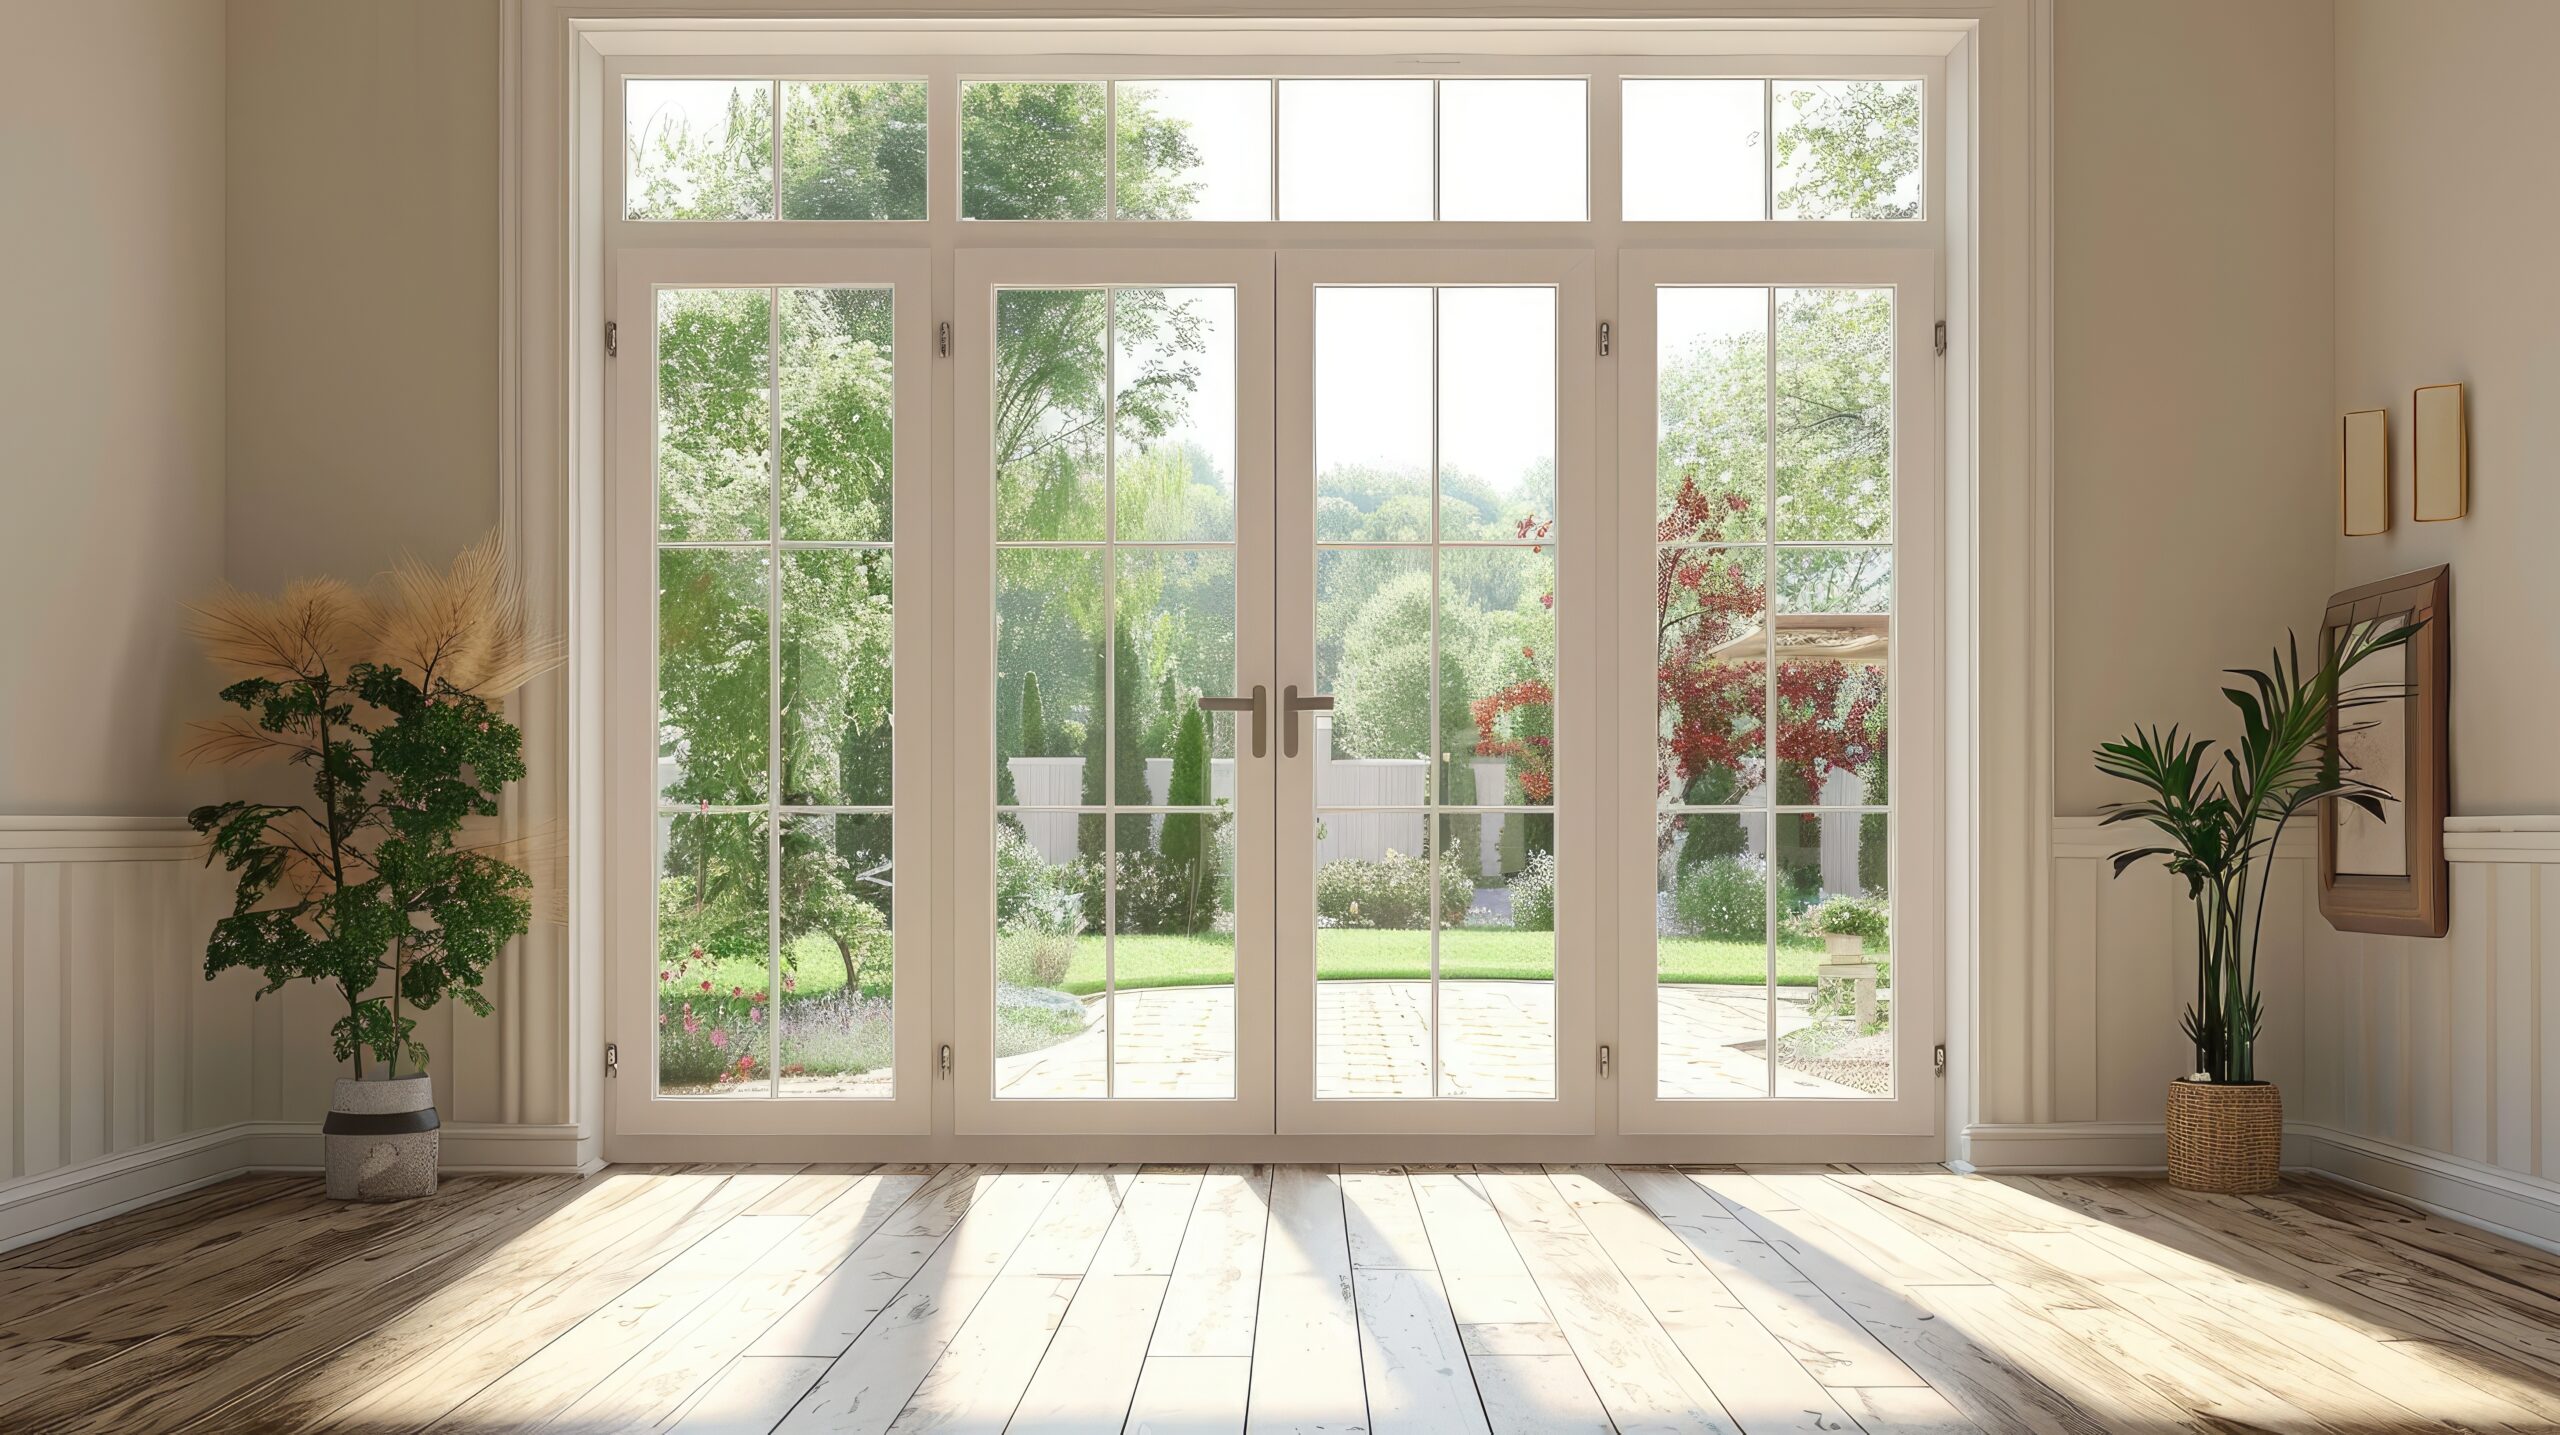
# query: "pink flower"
[[788, 984], [737, 991], [692, 1023], [746, 1064], [706, 983], [719, 1038], [662, 974]]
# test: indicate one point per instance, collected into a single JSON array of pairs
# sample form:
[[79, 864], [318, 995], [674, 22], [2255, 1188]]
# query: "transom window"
[[1314, 148]]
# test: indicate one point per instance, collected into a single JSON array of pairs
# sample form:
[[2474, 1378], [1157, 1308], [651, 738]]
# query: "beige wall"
[[2447, 207], [363, 283], [2192, 338], [111, 397]]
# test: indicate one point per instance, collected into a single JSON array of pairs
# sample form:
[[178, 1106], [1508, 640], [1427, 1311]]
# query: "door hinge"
[[942, 338], [612, 339], [946, 1061], [1939, 1059], [612, 1059], [1604, 338], [1941, 338], [1604, 1063]]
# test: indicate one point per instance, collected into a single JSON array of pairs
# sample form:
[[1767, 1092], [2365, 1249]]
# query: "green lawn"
[[1352, 955], [1341, 955]]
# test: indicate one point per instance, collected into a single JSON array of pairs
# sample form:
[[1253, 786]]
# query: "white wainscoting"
[[2422, 1067], [126, 1076]]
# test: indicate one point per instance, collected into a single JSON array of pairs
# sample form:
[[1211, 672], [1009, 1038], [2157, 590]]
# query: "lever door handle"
[[1291, 705], [1259, 705]]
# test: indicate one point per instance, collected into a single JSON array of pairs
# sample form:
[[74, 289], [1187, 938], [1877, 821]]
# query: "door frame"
[[1574, 1108], [971, 556], [629, 700], [1916, 682]]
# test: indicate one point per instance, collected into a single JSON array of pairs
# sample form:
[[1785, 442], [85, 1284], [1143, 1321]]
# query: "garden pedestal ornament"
[[1847, 953], [381, 1139]]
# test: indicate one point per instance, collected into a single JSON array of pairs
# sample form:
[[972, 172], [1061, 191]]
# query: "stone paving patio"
[[1373, 1040]]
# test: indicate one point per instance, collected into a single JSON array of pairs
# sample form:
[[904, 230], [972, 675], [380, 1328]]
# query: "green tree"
[[1849, 149], [1035, 149], [1187, 844], [1034, 739], [853, 150]]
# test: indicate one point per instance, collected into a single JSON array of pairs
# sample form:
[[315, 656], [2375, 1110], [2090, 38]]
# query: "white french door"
[[1435, 802], [1114, 683]]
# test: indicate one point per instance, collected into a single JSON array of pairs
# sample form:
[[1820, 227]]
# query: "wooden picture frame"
[[2389, 876], [2364, 473], [2439, 454]]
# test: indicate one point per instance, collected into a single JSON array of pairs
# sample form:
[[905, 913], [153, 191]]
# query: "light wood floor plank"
[[1990, 1390], [1415, 1369], [1644, 1382], [1057, 1301], [752, 1395], [828, 1316], [1765, 1389], [1217, 1278], [1306, 1342], [866, 1388], [1538, 1395], [1822, 1337], [1191, 1395], [653, 1384], [1089, 1374]]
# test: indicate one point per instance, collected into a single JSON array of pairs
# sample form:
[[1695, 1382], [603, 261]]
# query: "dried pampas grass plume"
[[308, 629], [466, 625]]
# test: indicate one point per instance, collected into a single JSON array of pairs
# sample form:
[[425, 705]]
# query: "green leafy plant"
[[2223, 808], [1845, 916], [390, 702], [1533, 894]]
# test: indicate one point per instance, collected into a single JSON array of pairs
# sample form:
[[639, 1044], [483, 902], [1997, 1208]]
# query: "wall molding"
[[98, 839]]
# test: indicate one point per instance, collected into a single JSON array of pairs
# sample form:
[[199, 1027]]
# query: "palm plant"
[[2222, 810]]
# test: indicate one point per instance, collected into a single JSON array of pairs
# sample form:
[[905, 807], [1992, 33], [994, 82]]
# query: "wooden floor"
[[1279, 1298]]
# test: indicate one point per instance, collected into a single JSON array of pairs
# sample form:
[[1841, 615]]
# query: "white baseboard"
[[64, 1200], [2064, 1147], [2522, 1208]]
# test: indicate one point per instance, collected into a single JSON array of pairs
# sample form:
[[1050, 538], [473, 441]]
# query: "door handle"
[[1259, 705], [1291, 705]]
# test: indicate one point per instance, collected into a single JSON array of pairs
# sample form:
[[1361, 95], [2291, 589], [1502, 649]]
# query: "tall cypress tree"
[[1033, 739], [1186, 842]]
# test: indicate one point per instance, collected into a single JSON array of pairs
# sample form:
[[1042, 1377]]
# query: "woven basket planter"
[[2228, 1140]]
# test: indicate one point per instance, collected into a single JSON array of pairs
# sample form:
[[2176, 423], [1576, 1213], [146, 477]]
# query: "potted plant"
[[389, 701], [1846, 924], [2222, 810]]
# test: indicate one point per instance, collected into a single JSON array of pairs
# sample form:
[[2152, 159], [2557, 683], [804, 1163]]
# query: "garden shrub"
[[1726, 897], [1034, 955], [1533, 895], [1393, 893]]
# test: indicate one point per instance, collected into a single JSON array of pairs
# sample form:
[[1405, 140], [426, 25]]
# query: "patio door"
[[1436, 869], [1114, 680]]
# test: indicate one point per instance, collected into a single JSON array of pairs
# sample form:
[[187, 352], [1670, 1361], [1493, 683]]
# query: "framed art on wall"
[[2387, 874]]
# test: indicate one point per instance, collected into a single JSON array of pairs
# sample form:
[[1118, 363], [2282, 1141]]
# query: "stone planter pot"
[[2225, 1139], [1844, 946], [382, 1140]]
